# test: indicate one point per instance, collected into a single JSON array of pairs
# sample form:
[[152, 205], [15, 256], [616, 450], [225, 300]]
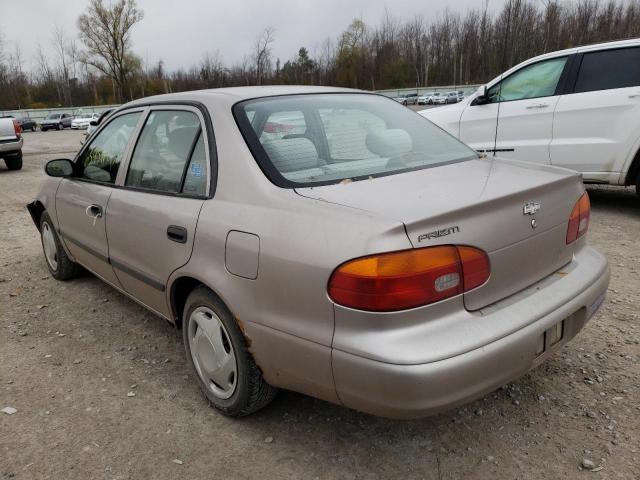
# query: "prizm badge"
[[530, 208], [439, 233]]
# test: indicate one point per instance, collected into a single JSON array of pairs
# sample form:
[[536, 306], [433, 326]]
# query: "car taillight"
[[579, 219], [17, 128], [409, 278]]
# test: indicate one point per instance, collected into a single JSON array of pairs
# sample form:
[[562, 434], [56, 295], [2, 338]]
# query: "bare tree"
[[262, 54], [106, 32]]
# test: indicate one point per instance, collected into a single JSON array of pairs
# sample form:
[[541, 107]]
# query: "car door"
[[151, 220], [527, 99], [597, 124], [478, 125], [81, 201]]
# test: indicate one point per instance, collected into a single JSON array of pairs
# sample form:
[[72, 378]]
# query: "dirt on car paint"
[[102, 390]]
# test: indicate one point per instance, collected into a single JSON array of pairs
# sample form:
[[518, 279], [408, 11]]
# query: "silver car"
[[327, 241]]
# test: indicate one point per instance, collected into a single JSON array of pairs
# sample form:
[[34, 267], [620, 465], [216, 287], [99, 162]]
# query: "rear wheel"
[[218, 354], [59, 264], [15, 162]]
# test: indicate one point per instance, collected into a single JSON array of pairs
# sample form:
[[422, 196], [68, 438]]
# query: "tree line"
[[101, 66]]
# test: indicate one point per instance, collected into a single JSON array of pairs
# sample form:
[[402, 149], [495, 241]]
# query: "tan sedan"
[[326, 241]]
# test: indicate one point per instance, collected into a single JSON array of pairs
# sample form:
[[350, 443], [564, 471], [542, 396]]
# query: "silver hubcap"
[[49, 244], [212, 352]]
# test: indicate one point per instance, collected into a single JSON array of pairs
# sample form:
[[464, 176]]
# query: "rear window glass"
[[303, 140], [609, 69]]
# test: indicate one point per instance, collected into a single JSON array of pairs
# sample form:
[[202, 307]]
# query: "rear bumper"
[[11, 146], [417, 390]]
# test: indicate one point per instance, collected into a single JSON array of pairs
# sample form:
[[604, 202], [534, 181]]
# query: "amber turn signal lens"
[[579, 219], [408, 279]]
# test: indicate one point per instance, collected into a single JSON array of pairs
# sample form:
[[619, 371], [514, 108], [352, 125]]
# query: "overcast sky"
[[180, 31]]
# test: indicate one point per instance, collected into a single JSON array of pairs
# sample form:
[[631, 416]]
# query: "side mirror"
[[93, 123], [61, 167], [481, 97]]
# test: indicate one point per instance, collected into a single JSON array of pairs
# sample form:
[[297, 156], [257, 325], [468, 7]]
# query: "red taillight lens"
[[408, 279], [579, 219], [17, 128]]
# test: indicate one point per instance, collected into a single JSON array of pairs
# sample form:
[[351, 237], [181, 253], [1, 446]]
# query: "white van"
[[577, 108]]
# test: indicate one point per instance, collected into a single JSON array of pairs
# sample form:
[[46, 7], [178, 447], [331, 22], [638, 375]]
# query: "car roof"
[[232, 95], [633, 42]]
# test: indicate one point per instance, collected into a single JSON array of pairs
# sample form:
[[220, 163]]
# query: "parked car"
[[460, 95], [56, 121], [437, 99], [410, 99], [317, 265], [424, 98], [451, 97], [27, 124], [83, 120], [577, 108], [11, 142]]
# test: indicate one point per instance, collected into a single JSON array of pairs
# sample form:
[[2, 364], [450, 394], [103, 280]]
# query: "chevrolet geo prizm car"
[[326, 241]]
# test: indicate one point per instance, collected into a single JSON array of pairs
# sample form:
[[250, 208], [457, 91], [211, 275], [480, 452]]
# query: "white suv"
[[577, 108]]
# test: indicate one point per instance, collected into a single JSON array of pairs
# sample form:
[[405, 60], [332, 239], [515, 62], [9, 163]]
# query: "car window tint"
[[163, 150], [346, 131], [100, 161], [609, 69], [195, 180], [533, 81]]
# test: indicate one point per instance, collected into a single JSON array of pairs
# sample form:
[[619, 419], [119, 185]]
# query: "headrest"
[[389, 143], [292, 154], [180, 141]]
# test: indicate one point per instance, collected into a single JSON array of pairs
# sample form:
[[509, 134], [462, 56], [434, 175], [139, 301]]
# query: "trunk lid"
[[480, 203]]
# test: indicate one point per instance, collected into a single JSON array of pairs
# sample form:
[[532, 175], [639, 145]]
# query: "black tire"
[[252, 392], [65, 269], [15, 162]]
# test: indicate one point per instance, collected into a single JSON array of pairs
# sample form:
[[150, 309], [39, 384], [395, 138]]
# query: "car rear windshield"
[[320, 139]]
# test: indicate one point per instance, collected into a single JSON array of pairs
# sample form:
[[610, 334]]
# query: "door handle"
[[94, 211], [538, 105], [634, 95], [177, 234]]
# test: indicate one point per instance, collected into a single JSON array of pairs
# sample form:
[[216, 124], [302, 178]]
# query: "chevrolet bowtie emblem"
[[530, 208]]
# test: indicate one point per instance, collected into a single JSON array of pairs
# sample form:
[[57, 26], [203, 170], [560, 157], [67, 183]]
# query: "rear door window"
[[609, 69], [162, 157]]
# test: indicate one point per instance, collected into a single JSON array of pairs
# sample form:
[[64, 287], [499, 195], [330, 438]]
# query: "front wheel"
[[218, 355], [59, 264]]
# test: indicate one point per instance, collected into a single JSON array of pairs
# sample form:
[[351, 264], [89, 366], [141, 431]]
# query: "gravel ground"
[[102, 389]]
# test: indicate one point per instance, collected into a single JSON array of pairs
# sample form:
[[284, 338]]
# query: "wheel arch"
[[36, 209], [180, 290], [633, 174]]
